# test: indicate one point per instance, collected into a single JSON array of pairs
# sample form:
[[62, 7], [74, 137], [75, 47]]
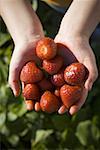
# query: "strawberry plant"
[[22, 129]]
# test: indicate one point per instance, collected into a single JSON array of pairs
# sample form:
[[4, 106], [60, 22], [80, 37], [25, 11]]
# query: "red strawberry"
[[31, 73], [58, 79], [31, 91], [29, 104], [70, 94], [75, 74], [45, 85], [53, 66], [37, 106], [46, 48], [49, 102]]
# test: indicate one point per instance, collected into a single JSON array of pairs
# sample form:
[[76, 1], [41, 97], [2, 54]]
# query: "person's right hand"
[[21, 55], [25, 29]]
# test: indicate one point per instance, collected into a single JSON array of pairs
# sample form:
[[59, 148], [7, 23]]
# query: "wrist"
[[28, 36], [73, 42], [28, 41], [71, 36], [81, 18], [70, 28], [21, 20]]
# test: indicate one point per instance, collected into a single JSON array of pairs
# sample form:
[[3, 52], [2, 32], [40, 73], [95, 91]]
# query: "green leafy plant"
[[20, 129]]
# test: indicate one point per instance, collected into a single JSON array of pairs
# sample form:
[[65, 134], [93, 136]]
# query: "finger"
[[37, 106], [62, 109], [91, 78], [75, 108], [93, 74], [14, 81], [14, 72], [29, 104]]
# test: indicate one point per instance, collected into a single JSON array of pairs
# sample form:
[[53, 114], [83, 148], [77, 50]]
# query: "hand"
[[21, 55], [79, 49], [25, 29]]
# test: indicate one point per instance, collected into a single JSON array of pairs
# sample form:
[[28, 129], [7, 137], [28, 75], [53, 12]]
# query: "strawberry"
[[58, 79], [75, 74], [31, 91], [31, 73], [53, 66], [37, 106], [70, 94], [45, 85], [49, 102], [46, 48], [29, 104]]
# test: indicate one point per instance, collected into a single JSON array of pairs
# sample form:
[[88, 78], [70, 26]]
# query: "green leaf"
[[84, 132], [95, 133], [82, 115], [35, 4], [42, 135], [39, 146], [61, 122], [96, 120], [24, 132], [12, 116], [87, 133], [2, 118], [17, 126], [31, 116], [13, 139], [91, 147], [3, 95], [5, 130], [3, 72], [16, 110], [69, 140], [4, 38]]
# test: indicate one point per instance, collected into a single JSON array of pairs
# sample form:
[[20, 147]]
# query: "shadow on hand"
[[66, 54]]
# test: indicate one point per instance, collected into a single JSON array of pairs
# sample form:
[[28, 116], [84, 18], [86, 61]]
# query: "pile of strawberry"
[[53, 86]]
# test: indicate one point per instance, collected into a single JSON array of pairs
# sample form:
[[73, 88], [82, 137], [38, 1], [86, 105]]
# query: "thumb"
[[14, 81], [14, 73], [76, 107], [93, 74]]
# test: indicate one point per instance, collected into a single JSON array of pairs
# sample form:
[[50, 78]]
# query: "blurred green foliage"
[[23, 130]]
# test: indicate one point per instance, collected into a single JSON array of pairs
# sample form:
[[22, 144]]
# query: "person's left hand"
[[78, 50]]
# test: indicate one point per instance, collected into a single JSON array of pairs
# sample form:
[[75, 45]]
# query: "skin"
[[75, 34], [75, 30]]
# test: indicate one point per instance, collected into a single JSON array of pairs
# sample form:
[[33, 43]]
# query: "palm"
[[66, 53], [19, 58], [69, 58]]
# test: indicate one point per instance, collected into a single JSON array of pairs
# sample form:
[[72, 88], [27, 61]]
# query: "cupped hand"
[[78, 49], [21, 55]]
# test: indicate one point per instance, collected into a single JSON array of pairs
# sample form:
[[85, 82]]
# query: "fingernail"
[[62, 109], [72, 112]]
